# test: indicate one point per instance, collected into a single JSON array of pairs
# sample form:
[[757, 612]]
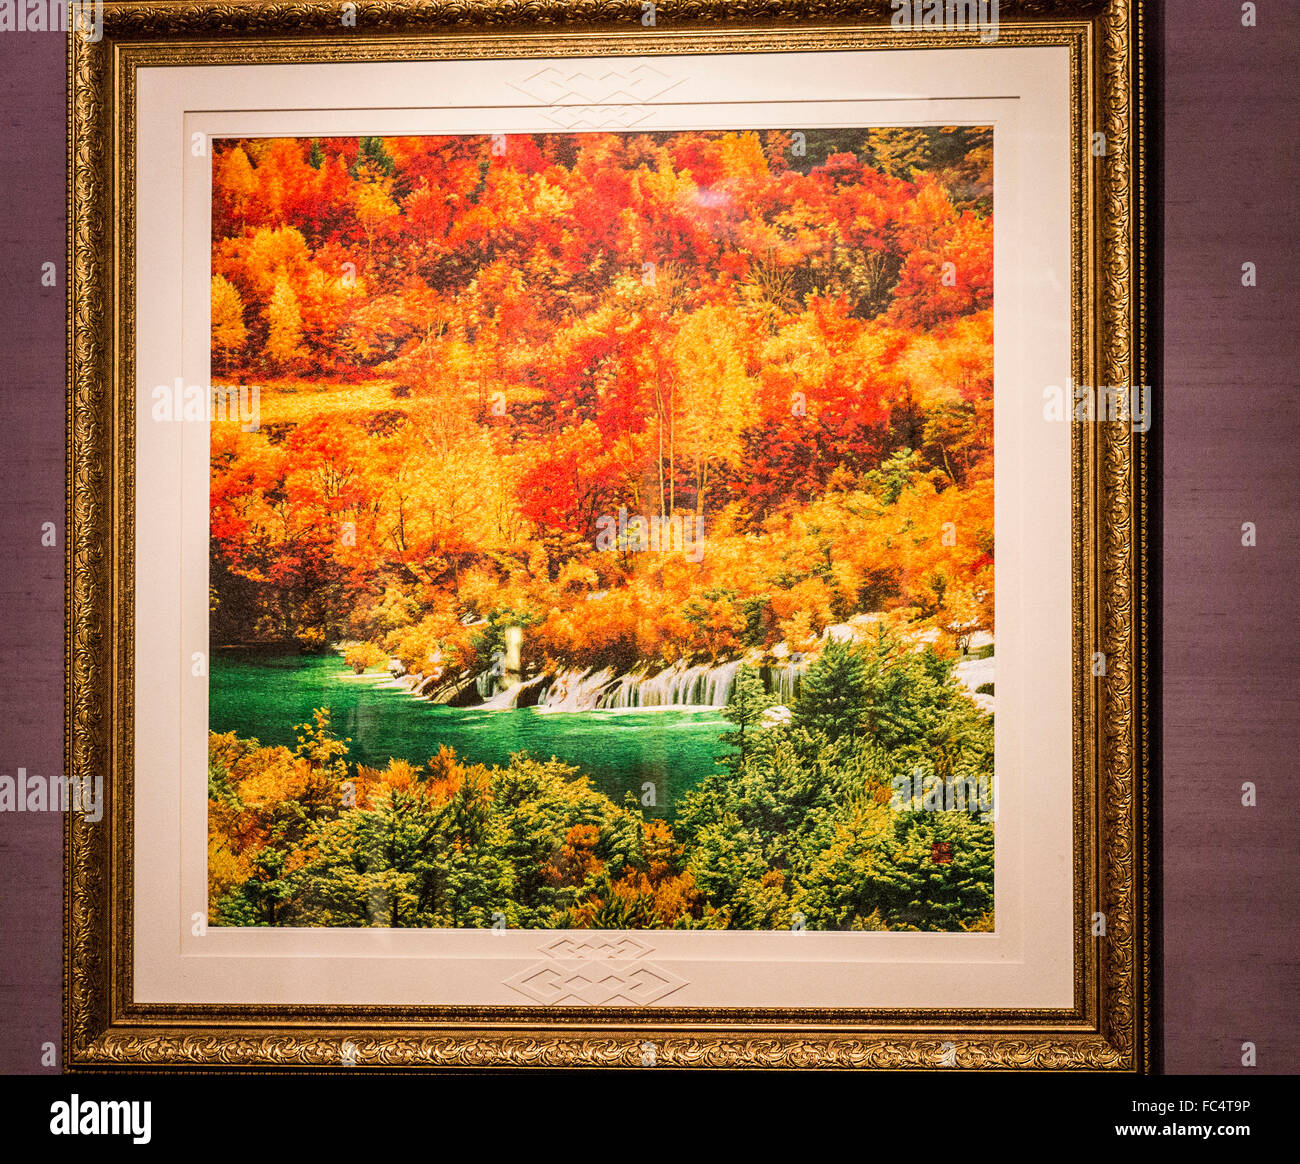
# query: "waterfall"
[[783, 682], [721, 681], [486, 683], [576, 690], [702, 685], [623, 693], [507, 699], [679, 685]]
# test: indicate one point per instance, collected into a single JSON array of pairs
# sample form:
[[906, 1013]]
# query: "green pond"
[[263, 696]]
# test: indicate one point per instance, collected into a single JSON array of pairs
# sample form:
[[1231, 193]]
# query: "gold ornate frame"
[[1108, 1027]]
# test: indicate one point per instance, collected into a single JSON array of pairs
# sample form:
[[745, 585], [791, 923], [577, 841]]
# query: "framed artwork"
[[607, 534]]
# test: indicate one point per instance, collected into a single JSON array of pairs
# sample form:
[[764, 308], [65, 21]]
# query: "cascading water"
[[508, 698], [576, 690], [675, 686], [500, 688], [783, 682], [702, 685], [680, 685]]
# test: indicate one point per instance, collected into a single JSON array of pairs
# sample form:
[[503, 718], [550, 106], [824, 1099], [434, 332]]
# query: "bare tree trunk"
[[659, 427], [672, 450]]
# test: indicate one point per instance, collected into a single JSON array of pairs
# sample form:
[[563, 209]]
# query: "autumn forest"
[[677, 440]]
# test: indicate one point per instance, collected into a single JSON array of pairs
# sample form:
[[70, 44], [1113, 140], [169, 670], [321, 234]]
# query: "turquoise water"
[[263, 696]]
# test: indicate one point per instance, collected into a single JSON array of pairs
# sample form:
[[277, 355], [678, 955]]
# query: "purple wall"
[[1227, 431], [33, 320]]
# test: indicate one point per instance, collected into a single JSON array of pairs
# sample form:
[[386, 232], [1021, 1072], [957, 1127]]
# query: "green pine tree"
[[372, 155], [835, 694], [897, 152], [745, 707]]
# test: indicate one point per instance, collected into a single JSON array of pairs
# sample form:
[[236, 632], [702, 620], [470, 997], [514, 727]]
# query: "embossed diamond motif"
[[595, 971], [596, 946], [613, 99], [556, 86]]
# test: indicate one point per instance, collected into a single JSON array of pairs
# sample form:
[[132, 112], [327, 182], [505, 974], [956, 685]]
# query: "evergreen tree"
[[835, 696], [897, 152], [745, 707], [918, 712], [372, 155]]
